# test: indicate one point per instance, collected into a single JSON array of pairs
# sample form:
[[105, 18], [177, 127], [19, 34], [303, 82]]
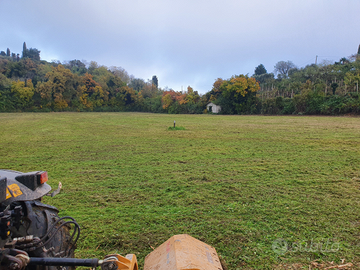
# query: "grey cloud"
[[187, 42]]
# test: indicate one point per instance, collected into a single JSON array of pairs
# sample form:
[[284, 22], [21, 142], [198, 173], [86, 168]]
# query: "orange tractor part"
[[183, 252], [118, 262]]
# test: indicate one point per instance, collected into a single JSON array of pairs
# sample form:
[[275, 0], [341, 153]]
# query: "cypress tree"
[[24, 52], [155, 81], [359, 50], [8, 52]]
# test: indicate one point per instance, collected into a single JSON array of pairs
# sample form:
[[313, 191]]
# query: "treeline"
[[28, 83], [328, 89]]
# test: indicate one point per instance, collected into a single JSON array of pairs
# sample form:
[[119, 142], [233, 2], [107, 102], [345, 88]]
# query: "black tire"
[[42, 221]]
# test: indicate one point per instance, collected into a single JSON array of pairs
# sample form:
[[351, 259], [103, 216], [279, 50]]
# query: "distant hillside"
[[28, 83]]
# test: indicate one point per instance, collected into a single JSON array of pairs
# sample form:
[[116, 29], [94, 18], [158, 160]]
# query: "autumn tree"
[[23, 93], [240, 86], [238, 95], [169, 97], [110, 80], [126, 98], [90, 93], [189, 97], [192, 96], [166, 100], [216, 90], [59, 88]]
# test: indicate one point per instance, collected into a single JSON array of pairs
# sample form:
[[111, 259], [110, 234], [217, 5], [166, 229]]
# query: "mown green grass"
[[236, 182]]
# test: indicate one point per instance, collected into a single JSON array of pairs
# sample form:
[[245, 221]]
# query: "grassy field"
[[248, 185]]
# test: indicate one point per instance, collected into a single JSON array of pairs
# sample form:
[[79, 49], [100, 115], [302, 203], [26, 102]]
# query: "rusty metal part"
[[183, 252], [23, 258], [12, 262], [14, 259]]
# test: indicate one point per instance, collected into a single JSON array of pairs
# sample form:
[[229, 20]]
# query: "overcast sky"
[[183, 42]]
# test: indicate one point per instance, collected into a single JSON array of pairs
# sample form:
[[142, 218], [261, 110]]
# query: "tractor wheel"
[[42, 221]]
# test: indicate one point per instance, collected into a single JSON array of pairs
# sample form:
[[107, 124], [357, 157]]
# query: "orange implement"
[[183, 252], [118, 262]]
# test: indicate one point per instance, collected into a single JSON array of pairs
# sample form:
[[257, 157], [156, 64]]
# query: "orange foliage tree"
[[169, 97], [59, 88], [91, 94], [237, 94]]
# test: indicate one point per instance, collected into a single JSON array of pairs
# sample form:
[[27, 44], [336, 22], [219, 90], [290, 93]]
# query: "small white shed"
[[211, 107]]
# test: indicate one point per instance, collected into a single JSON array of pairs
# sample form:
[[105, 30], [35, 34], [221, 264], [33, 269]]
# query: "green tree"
[[76, 67], [33, 54], [3, 65], [101, 75], [15, 70], [260, 69], [265, 78], [126, 99], [121, 73], [113, 83], [137, 84], [6, 102], [29, 68], [92, 66]]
